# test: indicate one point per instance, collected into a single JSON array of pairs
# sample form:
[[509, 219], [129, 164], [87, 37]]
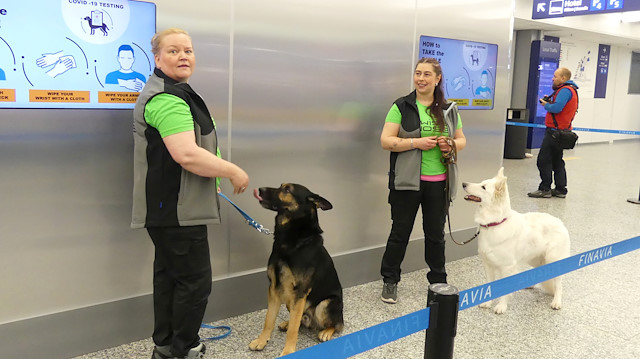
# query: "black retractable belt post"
[[443, 302]]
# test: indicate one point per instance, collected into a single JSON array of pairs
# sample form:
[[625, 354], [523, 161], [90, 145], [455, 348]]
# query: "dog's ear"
[[320, 202], [500, 176], [501, 183]]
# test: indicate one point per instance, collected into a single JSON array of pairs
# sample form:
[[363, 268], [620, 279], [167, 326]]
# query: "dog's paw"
[[284, 326], [485, 305], [500, 308], [258, 344], [556, 303], [286, 351], [326, 334]]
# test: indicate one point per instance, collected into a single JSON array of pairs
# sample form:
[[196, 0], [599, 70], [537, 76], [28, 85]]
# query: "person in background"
[[561, 105], [175, 193], [415, 132]]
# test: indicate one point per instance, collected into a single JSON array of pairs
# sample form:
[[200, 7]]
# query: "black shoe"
[[540, 194], [556, 193], [443, 280], [437, 276], [389, 293], [162, 352]]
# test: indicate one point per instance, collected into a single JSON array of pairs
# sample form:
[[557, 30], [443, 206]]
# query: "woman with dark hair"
[[415, 132]]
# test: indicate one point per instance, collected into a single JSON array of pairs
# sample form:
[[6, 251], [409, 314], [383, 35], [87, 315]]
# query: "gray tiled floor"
[[600, 317]]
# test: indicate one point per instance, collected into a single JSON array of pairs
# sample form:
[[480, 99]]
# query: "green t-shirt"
[[431, 163], [169, 114]]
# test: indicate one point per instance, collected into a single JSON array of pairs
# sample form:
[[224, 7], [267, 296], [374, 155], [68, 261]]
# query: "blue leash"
[[260, 228], [221, 336]]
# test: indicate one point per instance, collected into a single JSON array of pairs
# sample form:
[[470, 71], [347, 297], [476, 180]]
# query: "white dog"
[[509, 240]]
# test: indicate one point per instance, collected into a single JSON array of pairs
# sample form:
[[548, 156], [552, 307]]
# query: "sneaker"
[[556, 193], [540, 194], [196, 352], [164, 352], [161, 352], [390, 293]]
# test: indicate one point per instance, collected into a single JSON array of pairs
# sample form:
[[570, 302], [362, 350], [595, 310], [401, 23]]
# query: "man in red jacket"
[[562, 106]]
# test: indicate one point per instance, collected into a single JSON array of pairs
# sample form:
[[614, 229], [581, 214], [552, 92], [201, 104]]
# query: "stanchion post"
[[443, 302], [633, 200]]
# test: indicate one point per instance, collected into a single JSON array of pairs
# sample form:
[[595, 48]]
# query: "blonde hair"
[[157, 38]]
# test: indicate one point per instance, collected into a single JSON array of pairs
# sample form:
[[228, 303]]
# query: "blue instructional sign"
[[602, 71], [74, 53], [545, 84], [468, 70], [543, 9], [545, 57]]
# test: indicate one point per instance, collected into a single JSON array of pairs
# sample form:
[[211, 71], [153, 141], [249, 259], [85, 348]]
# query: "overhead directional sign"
[[543, 9]]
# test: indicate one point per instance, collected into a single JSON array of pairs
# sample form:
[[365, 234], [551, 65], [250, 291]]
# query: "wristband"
[[412, 143]]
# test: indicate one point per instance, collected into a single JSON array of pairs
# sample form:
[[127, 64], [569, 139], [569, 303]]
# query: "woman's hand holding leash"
[[443, 144], [448, 148], [239, 180], [425, 143]]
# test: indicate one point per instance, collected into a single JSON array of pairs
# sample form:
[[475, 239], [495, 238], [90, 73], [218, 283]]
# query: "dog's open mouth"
[[472, 198]]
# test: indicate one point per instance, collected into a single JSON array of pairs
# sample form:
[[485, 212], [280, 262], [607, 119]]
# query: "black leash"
[[465, 242], [450, 158]]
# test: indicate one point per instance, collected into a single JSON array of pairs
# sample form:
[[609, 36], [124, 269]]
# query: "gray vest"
[[404, 173], [164, 193]]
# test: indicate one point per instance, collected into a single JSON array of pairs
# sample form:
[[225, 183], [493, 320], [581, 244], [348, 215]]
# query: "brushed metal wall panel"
[[66, 184], [313, 82]]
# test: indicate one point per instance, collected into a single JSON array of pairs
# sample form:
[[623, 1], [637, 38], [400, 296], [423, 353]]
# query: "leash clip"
[[250, 221], [260, 228]]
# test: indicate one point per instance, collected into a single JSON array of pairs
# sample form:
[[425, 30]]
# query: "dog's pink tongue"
[[256, 195]]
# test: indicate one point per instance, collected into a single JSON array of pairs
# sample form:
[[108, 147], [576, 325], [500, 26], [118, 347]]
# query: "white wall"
[[612, 112], [579, 35]]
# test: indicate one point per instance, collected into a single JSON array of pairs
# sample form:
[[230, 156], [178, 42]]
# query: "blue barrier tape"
[[383, 333], [535, 125], [366, 339], [474, 296]]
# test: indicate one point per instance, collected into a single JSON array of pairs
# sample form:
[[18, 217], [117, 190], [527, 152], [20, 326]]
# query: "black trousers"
[[551, 165], [404, 207], [181, 285]]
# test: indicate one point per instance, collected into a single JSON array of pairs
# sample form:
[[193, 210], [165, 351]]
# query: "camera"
[[545, 98]]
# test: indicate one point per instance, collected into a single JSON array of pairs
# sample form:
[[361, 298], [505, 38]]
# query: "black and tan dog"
[[301, 272]]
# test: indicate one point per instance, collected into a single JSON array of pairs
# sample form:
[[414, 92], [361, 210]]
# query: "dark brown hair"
[[438, 94]]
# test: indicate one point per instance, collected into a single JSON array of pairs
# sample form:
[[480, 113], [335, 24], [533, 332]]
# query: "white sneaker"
[[196, 352]]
